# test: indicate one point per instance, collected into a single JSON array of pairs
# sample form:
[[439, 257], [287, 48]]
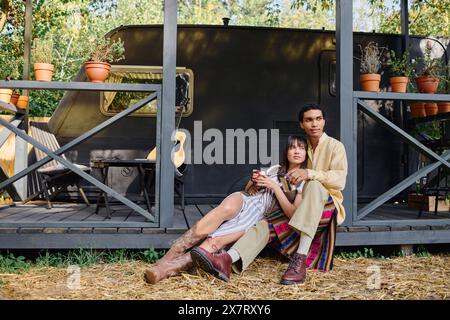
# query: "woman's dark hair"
[[307, 107], [292, 142]]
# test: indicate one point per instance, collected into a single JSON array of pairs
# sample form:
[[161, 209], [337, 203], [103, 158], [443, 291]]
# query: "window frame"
[[151, 69]]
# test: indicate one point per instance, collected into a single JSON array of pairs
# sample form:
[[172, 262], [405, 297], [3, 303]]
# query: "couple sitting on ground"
[[268, 212]]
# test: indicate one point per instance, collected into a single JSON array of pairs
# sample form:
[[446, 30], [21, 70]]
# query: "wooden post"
[[407, 250], [165, 121], [21, 159], [348, 110]]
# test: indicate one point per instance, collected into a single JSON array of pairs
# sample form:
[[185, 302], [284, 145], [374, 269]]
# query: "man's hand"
[[298, 175]]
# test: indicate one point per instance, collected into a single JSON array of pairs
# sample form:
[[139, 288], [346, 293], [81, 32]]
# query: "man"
[[325, 176]]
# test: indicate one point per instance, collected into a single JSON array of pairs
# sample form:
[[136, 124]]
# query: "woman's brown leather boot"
[[180, 245], [169, 268]]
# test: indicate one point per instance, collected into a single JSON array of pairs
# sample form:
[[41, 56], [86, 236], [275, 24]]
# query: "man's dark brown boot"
[[296, 272], [217, 264]]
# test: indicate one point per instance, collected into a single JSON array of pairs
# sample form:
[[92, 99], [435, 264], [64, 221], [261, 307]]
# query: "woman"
[[237, 213]]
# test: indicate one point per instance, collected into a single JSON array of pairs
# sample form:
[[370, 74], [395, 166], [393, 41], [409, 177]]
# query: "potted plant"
[[22, 102], [371, 61], [42, 53], [427, 77], [417, 108], [9, 70], [103, 54], [444, 87], [14, 98], [399, 69]]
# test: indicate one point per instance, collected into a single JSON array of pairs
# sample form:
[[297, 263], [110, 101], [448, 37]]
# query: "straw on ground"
[[400, 278]]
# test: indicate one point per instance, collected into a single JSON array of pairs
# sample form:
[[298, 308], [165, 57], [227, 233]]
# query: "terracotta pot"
[[43, 71], [398, 84], [417, 109], [22, 103], [97, 72], [370, 82], [5, 95], [431, 108], [427, 84], [443, 107], [14, 98]]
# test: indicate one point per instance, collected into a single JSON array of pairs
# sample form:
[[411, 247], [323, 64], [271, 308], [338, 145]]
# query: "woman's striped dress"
[[253, 209]]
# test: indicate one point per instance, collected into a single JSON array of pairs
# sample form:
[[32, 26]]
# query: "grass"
[[383, 252], [366, 253], [9, 263], [422, 252]]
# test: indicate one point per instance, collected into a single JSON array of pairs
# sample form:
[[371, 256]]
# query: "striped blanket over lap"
[[285, 239]]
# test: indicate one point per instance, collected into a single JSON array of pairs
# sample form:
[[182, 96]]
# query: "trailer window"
[[112, 103]]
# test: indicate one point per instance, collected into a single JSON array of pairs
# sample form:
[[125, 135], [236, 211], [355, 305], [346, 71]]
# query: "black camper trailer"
[[240, 78]]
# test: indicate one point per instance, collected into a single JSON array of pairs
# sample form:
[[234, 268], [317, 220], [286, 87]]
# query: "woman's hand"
[[263, 181]]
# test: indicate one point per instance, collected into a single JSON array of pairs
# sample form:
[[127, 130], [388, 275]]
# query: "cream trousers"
[[305, 219]]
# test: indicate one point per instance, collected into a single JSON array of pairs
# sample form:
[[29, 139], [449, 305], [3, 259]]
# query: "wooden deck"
[[67, 225]]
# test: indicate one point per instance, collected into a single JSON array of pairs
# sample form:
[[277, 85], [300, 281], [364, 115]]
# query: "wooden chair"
[[53, 176]]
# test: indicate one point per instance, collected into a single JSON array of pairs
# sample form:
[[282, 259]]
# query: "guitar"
[[179, 156]]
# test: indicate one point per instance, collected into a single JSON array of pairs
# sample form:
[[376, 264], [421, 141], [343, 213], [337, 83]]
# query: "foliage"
[[42, 50], [80, 257], [412, 87], [105, 50], [399, 66], [444, 84], [430, 17], [422, 252], [9, 67], [426, 65], [10, 263], [366, 253], [371, 58], [430, 129], [151, 255]]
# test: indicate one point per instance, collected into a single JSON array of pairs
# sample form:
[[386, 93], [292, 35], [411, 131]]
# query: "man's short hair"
[[307, 107]]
